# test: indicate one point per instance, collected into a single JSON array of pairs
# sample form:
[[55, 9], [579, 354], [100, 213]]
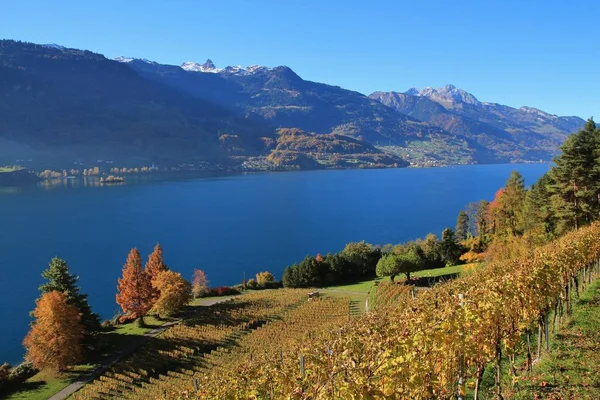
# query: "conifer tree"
[[462, 226], [154, 266], [575, 187], [538, 220], [55, 338], [135, 288], [61, 280]]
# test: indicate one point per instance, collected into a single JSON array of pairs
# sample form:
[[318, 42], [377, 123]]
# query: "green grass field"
[[357, 291], [571, 369]]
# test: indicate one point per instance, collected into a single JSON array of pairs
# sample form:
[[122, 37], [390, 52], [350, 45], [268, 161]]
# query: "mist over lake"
[[226, 226]]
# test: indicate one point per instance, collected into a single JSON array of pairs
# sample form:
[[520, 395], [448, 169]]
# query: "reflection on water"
[[77, 182]]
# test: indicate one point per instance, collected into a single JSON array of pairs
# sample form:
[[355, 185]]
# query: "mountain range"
[[61, 105]]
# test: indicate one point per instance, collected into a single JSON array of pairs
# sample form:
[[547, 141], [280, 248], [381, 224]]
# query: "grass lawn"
[[572, 367], [43, 385], [433, 273], [357, 291]]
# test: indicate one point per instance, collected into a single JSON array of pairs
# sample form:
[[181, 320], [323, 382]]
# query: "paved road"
[[105, 366]]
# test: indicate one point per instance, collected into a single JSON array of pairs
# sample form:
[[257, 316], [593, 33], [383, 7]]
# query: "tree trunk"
[[480, 371], [499, 370], [575, 203], [529, 360], [539, 344], [392, 277]]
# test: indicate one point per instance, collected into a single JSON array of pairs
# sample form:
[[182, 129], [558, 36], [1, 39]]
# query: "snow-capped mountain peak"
[[130, 59], [208, 66], [446, 94]]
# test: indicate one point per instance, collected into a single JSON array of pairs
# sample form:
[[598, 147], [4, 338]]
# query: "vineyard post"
[[196, 385], [461, 372], [367, 304], [302, 371]]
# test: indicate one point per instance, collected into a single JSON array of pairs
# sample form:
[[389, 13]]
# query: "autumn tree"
[[135, 288], [199, 283], [154, 266], [61, 280], [175, 293], [54, 341], [266, 278]]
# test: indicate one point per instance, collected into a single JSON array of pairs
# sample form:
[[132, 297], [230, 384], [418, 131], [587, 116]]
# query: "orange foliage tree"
[[55, 339], [175, 292], [155, 266], [200, 283], [135, 288]]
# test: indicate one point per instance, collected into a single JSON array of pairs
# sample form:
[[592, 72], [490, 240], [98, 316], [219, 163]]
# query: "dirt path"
[[106, 365]]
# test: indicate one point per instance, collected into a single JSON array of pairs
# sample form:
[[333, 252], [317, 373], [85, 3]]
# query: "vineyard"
[[210, 341], [429, 344], [438, 344]]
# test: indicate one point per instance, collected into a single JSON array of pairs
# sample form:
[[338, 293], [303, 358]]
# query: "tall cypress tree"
[[60, 279]]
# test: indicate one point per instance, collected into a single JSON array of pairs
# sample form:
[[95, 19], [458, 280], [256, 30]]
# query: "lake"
[[226, 226]]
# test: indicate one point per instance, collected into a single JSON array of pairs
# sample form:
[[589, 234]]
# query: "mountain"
[[69, 104], [283, 99], [514, 134], [60, 106]]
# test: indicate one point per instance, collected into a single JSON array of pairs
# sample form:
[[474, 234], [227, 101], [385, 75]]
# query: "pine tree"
[[575, 188], [55, 339], [61, 280], [462, 226], [135, 288], [450, 250], [538, 220]]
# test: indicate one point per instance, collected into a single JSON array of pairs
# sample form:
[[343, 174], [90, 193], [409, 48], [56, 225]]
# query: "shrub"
[[252, 284], [226, 291], [22, 372], [264, 278]]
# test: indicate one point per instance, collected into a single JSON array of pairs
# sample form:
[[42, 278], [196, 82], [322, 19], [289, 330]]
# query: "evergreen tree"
[[538, 220], [61, 280], [450, 250], [575, 187], [462, 226], [482, 229]]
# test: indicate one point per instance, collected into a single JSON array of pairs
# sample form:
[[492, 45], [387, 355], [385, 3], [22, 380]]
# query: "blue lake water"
[[226, 226]]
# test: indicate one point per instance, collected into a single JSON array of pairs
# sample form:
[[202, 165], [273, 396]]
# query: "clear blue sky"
[[544, 54]]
